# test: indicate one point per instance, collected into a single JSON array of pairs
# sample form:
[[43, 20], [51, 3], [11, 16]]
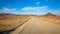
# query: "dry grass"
[[51, 19], [11, 21], [8, 22]]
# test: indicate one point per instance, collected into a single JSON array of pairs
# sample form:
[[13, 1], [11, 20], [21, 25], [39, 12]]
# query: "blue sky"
[[38, 7]]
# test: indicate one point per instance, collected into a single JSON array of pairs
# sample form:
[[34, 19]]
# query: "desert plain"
[[29, 24]]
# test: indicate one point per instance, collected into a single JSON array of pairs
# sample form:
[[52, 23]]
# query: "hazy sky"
[[37, 7]]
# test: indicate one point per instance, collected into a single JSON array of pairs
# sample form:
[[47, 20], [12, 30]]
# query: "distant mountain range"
[[47, 14]]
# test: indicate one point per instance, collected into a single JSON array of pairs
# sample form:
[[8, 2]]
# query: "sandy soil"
[[37, 26], [8, 22]]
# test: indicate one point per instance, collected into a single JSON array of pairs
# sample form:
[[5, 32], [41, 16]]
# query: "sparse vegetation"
[[51, 18], [11, 21]]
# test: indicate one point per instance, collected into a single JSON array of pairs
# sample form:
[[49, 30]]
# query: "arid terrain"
[[46, 24], [10, 21], [51, 18]]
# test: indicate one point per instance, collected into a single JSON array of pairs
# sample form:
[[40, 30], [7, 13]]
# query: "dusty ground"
[[37, 26], [47, 24], [8, 22], [51, 19]]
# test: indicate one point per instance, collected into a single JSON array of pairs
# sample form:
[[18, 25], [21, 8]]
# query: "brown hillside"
[[51, 18]]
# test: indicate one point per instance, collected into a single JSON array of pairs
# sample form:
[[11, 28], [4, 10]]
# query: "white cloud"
[[35, 10], [37, 2], [7, 10], [30, 10], [27, 8]]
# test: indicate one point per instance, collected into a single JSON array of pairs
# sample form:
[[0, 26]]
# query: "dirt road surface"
[[37, 26]]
